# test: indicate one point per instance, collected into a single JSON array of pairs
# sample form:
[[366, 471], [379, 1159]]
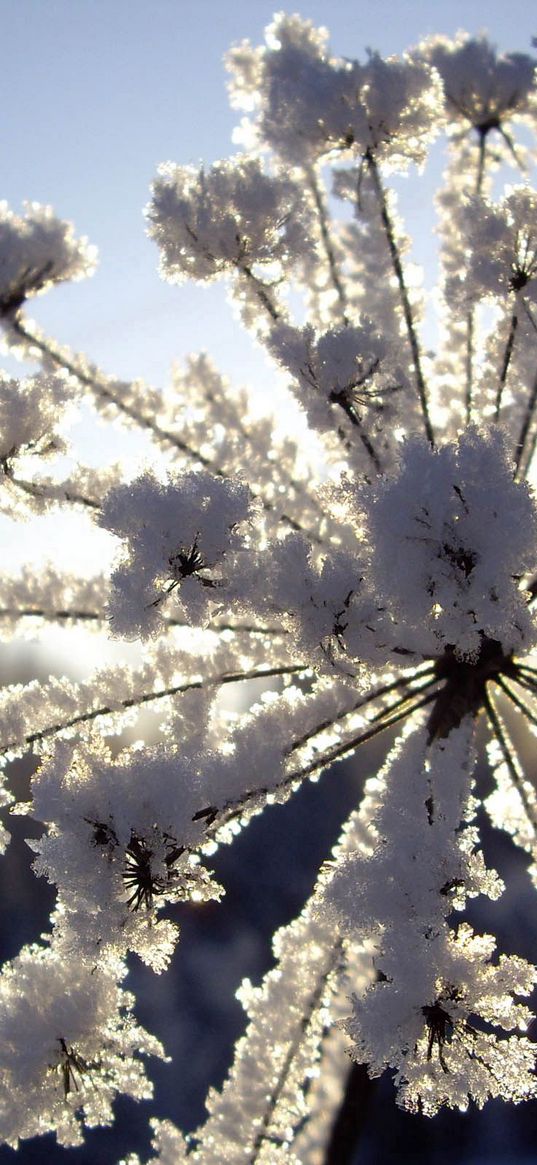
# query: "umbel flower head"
[[38, 251], [483, 89], [309, 103], [452, 535], [69, 1042], [179, 538], [362, 547]]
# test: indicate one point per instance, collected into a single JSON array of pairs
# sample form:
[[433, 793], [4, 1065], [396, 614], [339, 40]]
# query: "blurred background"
[[94, 95]]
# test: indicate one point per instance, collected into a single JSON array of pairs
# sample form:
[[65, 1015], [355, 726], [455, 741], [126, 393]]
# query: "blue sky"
[[95, 93]]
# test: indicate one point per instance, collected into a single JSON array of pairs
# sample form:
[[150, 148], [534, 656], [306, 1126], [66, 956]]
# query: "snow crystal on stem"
[[452, 535], [37, 251], [68, 1046], [180, 537]]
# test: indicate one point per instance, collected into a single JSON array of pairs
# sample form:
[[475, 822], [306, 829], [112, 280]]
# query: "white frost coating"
[[483, 90], [267, 1094], [68, 1046], [119, 842], [37, 251], [309, 564], [310, 103], [502, 245], [435, 987], [232, 216], [452, 533], [169, 1145], [178, 538], [29, 412], [344, 376]]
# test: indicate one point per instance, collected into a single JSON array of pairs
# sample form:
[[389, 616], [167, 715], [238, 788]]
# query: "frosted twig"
[[405, 301], [324, 229]]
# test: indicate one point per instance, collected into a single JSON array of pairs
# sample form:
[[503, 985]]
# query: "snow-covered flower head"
[[120, 841], [502, 245], [482, 89], [37, 251], [233, 216], [68, 1045], [464, 1041], [29, 412], [346, 372], [301, 94], [452, 534], [309, 103], [401, 103], [178, 537], [350, 551]]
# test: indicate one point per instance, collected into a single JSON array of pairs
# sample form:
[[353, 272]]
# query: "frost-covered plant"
[[378, 569]]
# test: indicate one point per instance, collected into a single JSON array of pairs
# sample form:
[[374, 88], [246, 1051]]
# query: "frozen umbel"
[[376, 569]]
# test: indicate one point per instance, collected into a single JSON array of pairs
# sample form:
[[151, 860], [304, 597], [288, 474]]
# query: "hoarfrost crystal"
[[371, 563]]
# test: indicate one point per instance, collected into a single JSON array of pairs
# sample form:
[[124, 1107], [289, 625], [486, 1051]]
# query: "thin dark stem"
[[508, 352], [481, 163], [371, 697], [469, 364], [261, 290], [234, 809], [525, 427], [509, 758], [76, 616], [516, 700], [63, 495], [405, 698], [100, 385], [150, 697], [405, 301], [470, 318], [527, 682], [525, 669], [302, 1029], [354, 418], [350, 746], [320, 205], [369, 447]]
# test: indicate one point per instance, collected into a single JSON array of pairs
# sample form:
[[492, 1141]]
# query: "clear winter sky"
[[95, 93]]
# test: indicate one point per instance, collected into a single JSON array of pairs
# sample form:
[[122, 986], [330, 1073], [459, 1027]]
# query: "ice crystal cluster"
[[375, 570]]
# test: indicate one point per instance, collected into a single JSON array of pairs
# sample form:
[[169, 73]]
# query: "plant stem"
[[405, 301], [509, 758], [35, 491], [261, 290], [508, 352], [101, 386], [324, 229], [526, 423], [294, 1046], [150, 697], [469, 365]]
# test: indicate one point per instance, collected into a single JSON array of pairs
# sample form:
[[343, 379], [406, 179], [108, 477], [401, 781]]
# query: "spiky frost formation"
[[69, 1045], [309, 102], [483, 89], [38, 251], [182, 538], [367, 557], [452, 535]]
